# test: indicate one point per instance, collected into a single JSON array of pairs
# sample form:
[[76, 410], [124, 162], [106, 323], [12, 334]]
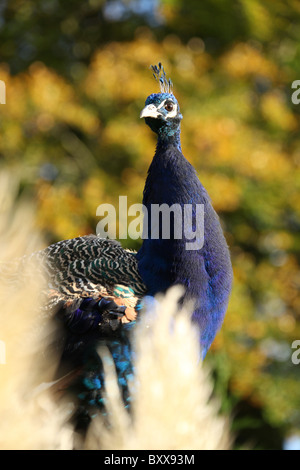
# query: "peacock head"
[[161, 111]]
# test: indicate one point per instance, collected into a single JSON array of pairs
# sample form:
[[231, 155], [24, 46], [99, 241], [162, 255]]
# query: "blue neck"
[[171, 180], [168, 137]]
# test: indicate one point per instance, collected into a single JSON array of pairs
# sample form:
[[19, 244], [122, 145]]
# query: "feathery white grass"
[[27, 421], [172, 405]]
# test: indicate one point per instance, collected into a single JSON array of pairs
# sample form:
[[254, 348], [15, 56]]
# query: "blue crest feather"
[[166, 85]]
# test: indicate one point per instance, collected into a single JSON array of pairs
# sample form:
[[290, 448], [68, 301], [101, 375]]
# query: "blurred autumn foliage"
[[77, 75]]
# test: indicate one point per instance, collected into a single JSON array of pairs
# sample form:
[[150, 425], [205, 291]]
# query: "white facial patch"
[[170, 114]]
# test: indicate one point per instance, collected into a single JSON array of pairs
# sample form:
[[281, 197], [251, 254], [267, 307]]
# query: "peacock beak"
[[150, 111]]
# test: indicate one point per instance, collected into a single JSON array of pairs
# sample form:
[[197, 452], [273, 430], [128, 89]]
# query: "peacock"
[[98, 290]]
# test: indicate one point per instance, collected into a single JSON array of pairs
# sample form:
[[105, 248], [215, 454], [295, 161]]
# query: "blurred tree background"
[[77, 75]]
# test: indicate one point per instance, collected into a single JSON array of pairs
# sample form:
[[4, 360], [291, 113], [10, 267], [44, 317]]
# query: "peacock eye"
[[169, 107]]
